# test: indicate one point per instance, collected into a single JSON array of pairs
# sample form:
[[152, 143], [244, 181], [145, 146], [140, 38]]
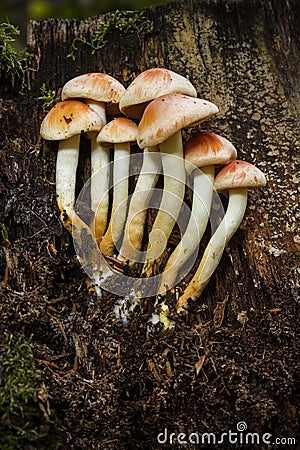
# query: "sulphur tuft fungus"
[[164, 102], [147, 86], [161, 126], [236, 178], [98, 90], [203, 151], [119, 133], [65, 122], [137, 212]]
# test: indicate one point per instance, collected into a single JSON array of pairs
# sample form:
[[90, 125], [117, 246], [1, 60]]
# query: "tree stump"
[[234, 357]]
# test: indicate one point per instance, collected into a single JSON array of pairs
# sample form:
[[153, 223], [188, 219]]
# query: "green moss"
[[22, 424], [48, 98], [127, 22], [13, 62], [4, 232]]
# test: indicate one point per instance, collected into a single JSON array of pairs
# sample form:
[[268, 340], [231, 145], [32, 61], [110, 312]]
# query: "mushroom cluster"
[[151, 114]]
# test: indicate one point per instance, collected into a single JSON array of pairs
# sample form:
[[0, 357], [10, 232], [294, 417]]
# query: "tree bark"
[[235, 356]]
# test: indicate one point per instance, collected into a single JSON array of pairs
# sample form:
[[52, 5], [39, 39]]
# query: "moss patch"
[[12, 61], [127, 22], [22, 398]]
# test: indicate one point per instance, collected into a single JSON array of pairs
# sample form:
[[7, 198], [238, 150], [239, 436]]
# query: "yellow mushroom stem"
[[173, 194], [213, 252], [201, 204], [135, 224], [66, 167], [120, 198], [100, 162]]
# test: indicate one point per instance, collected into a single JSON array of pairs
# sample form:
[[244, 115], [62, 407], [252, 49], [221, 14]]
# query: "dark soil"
[[113, 387]]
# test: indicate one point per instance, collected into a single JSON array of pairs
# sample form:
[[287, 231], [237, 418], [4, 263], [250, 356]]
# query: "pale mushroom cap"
[[118, 130], [96, 86], [239, 174], [168, 114], [206, 148], [151, 84], [67, 119]]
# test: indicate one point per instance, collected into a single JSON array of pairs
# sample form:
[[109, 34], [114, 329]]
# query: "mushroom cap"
[[168, 114], [239, 174], [149, 85], [118, 130], [68, 118], [206, 148], [96, 86]]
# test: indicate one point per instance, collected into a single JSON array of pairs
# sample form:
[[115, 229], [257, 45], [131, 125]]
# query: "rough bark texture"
[[235, 356]]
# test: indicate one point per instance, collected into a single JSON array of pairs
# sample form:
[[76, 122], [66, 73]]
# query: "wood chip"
[[199, 364], [219, 312]]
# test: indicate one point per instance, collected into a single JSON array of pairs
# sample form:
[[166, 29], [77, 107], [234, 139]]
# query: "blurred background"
[[18, 12]]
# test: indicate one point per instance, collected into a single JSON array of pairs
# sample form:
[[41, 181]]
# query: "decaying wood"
[[243, 56]]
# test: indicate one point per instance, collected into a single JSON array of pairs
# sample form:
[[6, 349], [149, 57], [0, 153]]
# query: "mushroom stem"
[[172, 198], [120, 197], [202, 198], [135, 224], [213, 252], [66, 167], [100, 159]]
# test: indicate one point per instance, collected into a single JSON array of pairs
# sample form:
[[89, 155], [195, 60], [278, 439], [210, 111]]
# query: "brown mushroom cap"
[[67, 119], [206, 148], [118, 130], [239, 174], [151, 84], [96, 86], [168, 114]]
